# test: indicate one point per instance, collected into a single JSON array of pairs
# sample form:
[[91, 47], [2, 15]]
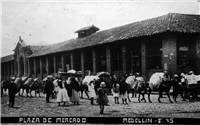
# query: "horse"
[[36, 85], [179, 87], [157, 84], [4, 85], [138, 85], [27, 85], [19, 82]]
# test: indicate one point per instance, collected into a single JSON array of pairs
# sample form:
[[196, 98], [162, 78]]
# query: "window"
[[155, 54], [185, 53]]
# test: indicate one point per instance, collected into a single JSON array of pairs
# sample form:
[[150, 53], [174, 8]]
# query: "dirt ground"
[[37, 107]]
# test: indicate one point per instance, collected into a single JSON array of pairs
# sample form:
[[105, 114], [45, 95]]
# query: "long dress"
[[115, 90], [75, 91], [63, 95], [92, 93], [102, 97]]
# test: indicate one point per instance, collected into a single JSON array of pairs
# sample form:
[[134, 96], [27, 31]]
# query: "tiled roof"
[[172, 22], [7, 58]]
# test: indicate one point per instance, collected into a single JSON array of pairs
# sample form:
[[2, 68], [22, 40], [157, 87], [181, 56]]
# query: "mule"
[[26, 86], [139, 86], [157, 84], [36, 86]]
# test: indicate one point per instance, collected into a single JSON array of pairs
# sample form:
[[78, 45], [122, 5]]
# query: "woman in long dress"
[[92, 93], [75, 91], [62, 96]]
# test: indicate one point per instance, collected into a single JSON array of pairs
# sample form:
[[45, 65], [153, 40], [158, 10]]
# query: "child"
[[91, 90], [102, 97], [115, 91]]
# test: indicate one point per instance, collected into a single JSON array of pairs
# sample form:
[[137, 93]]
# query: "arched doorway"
[[21, 66]]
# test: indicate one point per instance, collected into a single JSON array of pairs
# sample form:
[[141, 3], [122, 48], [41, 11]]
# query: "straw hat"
[[175, 75], [103, 84], [13, 78], [191, 72]]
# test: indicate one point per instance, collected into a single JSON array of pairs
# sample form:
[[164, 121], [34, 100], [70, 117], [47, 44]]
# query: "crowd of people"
[[67, 91]]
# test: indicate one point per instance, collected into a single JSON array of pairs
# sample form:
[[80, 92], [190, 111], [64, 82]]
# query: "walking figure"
[[12, 90], [102, 91], [48, 89]]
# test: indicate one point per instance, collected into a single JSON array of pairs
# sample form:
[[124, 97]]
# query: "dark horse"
[[160, 86], [26, 85], [4, 85], [164, 87], [37, 85]]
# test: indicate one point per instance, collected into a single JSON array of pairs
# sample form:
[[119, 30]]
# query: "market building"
[[167, 43]]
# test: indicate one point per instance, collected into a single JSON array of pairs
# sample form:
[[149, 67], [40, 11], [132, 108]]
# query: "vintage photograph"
[[96, 62]]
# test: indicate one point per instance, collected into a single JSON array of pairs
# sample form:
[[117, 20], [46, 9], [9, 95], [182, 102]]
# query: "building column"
[[4, 68], [47, 65], [54, 64], [72, 60], [63, 62], [18, 68], [41, 73], [108, 59], [94, 61], [11, 68], [35, 68], [124, 58], [1, 71], [143, 59], [15, 68], [25, 73], [169, 54], [83, 63], [198, 53], [29, 68], [8, 66]]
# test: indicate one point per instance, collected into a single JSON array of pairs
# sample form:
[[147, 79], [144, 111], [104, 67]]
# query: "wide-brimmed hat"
[[175, 75], [103, 84], [191, 72], [13, 78]]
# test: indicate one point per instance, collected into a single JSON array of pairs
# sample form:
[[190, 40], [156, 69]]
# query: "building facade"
[[167, 43]]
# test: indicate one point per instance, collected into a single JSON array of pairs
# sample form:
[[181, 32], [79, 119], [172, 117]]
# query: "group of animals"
[[173, 86], [25, 83], [140, 87]]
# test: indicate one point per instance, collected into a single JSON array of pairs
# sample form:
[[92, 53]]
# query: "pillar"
[[41, 73], [54, 64], [72, 60], [35, 68], [63, 62], [8, 68], [1, 71], [124, 58], [144, 59], [18, 68], [83, 63], [47, 65], [108, 59], [169, 54], [11, 67], [25, 67], [94, 61], [29, 68], [198, 53]]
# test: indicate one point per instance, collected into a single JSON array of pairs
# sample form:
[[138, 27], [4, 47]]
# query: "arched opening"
[[21, 64]]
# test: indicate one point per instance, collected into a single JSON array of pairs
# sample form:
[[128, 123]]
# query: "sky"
[[42, 22]]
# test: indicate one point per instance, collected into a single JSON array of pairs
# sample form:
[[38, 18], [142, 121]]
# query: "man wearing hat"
[[12, 90], [48, 88], [103, 100]]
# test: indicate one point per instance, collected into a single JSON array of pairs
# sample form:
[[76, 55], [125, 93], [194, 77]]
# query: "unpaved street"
[[26, 106]]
